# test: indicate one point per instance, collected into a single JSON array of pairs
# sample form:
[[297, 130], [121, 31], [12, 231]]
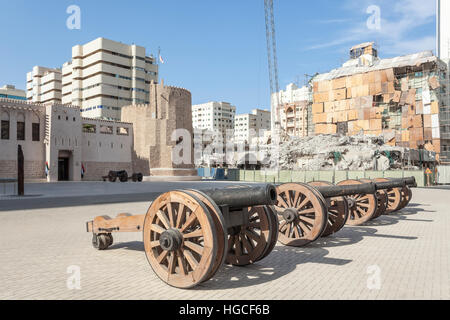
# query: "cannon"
[[319, 209], [123, 176], [189, 234]]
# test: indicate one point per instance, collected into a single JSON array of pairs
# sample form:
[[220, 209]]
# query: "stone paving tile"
[[410, 250]]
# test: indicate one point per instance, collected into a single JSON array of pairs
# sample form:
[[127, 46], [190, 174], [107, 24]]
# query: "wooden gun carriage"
[[320, 209], [189, 234]]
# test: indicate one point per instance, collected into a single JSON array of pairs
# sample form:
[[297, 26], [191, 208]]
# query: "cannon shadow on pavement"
[[281, 261]]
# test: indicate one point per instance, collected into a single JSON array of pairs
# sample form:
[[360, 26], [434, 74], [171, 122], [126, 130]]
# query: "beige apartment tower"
[[44, 85], [105, 75]]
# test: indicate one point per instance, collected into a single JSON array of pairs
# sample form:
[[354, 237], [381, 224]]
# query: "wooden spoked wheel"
[[337, 211], [274, 232], [180, 239], [394, 197], [220, 229], [247, 243], [362, 207], [302, 214], [381, 200], [406, 197]]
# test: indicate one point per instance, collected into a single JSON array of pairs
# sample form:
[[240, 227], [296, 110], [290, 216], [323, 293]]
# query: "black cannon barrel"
[[390, 184], [337, 191], [244, 196], [410, 181]]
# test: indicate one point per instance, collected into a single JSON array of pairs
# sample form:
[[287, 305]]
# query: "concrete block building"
[[101, 77], [245, 124], [44, 85]]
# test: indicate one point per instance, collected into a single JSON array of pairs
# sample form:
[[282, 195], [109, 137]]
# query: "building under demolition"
[[404, 98]]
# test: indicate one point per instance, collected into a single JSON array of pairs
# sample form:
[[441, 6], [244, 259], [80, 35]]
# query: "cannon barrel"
[[391, 184], [410, 181], [337, 191], [243, 196]]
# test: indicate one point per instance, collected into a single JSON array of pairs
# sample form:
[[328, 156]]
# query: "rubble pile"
[[338, 152]]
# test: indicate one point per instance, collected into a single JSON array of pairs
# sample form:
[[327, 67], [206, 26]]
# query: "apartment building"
[[104, 75], [251, 125], [294, 110], [214, 116], [10, 92], [44, 85]]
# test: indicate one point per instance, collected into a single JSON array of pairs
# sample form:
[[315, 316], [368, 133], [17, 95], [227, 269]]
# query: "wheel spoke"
[[181, 215], [189, 222], [194, 234], [157, 228], [246, 244], [252, 235], [304, 227], [307, 211], [162, 256], [237, 245], [297, 196], [193, 246], [181, 263], [170, 213], [190, 259], [172, 264], [163, 218], [281, 201], [304, 203], [154, 244], [309, 220], [288, 198]]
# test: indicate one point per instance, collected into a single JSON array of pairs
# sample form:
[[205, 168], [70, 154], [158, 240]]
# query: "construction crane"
[[273, 64]]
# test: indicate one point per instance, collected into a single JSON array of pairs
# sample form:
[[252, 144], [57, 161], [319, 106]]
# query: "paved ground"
[[404, 256]]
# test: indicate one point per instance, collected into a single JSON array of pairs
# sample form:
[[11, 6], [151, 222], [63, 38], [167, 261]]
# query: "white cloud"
[[399, 21]]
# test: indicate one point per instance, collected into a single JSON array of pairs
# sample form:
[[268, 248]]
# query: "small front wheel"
[[101, 241]]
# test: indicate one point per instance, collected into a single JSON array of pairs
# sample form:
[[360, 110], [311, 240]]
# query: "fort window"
[[36, 132], [106, 129], [121, 131], [5, 126], [89, 128], [20, 127]]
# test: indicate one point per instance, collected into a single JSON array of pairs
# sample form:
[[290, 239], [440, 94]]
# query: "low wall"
[[96, 170], [32, 169], [307, 176]]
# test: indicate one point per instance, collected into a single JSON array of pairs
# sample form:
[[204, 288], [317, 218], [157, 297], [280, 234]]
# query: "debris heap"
[[339, 152]]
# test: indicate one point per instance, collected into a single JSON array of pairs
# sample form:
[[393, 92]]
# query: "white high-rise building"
[[102, 77], [105, 75], [443, 29], [44, 85], [214, 116], [250, 125]]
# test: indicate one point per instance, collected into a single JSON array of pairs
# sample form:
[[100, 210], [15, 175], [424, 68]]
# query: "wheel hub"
[[171, 240], [351, 203], [290, 215]]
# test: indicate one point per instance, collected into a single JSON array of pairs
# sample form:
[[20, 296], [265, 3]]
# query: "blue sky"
[[216, 49]]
